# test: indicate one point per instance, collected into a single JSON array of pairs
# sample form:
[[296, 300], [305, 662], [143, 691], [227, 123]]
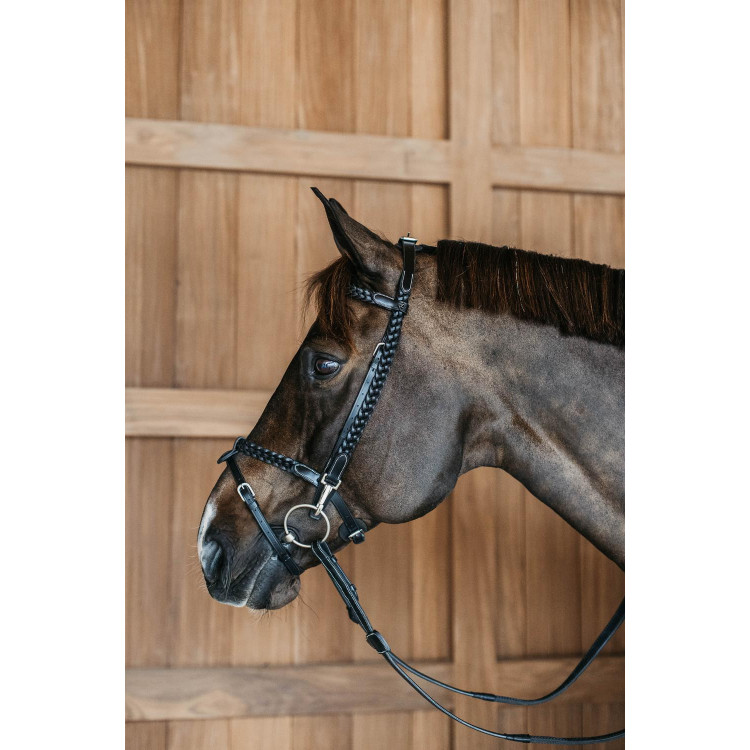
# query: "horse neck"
[[549, 410]]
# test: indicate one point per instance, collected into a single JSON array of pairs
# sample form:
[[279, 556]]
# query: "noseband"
[[352, 529]]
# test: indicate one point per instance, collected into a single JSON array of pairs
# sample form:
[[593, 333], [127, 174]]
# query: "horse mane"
[[579, 298]]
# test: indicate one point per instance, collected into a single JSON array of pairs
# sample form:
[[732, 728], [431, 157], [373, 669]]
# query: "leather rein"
[[326, 483]]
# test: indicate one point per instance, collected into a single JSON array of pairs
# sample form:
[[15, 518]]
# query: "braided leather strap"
[[389, 345], [279, 460]]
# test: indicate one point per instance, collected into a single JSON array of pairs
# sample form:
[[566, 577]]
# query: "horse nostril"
[[212, 556]]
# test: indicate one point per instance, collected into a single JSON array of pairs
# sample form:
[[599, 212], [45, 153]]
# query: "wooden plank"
[[263, 732], [475, 603], [505, 74], [558, 169], [146, 735], [192, 735], [206, 353], [151, 259], [544, 50], [268, 63], [279, 151], [299, 152], [210, 58], [226, 692], [201, 633], [148, 514], [599, 222], [235, 692], [152, 44], [598, 91], [192, 412], [268, 304], [471, 119], [326, 93]]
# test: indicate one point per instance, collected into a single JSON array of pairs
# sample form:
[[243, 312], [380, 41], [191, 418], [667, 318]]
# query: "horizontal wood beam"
[[188, 412], [231, 692], [172, 143], [561, 169]]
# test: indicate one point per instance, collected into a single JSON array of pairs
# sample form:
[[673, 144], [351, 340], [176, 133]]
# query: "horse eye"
[[326, 366]]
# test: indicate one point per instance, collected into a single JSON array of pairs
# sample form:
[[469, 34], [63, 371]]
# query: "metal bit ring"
[[289, 534]]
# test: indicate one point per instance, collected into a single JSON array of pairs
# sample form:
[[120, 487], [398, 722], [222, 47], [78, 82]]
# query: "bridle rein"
[[283, 539]]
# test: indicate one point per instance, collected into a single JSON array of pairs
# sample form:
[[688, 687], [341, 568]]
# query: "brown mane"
[[579, 298]]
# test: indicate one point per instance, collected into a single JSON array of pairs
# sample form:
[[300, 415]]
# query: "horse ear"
[[354, 240]]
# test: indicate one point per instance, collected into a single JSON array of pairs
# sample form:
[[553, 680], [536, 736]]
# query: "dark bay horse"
[[508, 358]]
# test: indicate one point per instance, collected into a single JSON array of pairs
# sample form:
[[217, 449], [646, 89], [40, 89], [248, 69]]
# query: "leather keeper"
[[377, 642]]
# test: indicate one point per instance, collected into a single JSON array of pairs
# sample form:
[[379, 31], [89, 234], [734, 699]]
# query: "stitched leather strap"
[[248, 496], [348, 593]]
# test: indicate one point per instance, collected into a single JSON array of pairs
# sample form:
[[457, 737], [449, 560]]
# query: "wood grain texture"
[[597, 89], [544, 69], [146, 735], [148, 516], [327, 44], [475, 604], [210, 61], [233, 692], [152, 43], [280, 151], [222, 692], [268, 63], [192, 412], [150, 266], [206, 354], [267, 287], [470, 119], [505, 73], [201, 631], [548, 168]]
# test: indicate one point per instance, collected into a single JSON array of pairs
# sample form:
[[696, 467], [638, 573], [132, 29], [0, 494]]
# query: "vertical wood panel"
[[268, 63], [475, 603], [600, 228], [152, 43], [151, 256], [198, 735], [471, 119], [326, 65], [382, 731], [505, 74], [146, 735], [547, 222], [148, 514], [544, 48], [207, 281], [259, 734], [210, 74], [597, 74], [313, 732], [202, 630], [267, 288]]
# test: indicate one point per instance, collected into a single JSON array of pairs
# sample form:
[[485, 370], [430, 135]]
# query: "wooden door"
[[493, 120]]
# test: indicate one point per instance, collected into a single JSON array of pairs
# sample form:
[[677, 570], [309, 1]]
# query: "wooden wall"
[[494, 120]]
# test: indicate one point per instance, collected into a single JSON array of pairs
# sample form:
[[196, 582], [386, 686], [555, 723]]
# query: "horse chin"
[[273, 589]]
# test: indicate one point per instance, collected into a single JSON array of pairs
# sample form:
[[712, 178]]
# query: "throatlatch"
[[327, 483]]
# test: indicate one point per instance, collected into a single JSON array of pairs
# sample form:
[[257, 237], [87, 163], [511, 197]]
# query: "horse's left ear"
[[354, 240]]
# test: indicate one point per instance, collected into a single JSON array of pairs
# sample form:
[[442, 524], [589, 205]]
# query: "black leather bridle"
[[283, 539]]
